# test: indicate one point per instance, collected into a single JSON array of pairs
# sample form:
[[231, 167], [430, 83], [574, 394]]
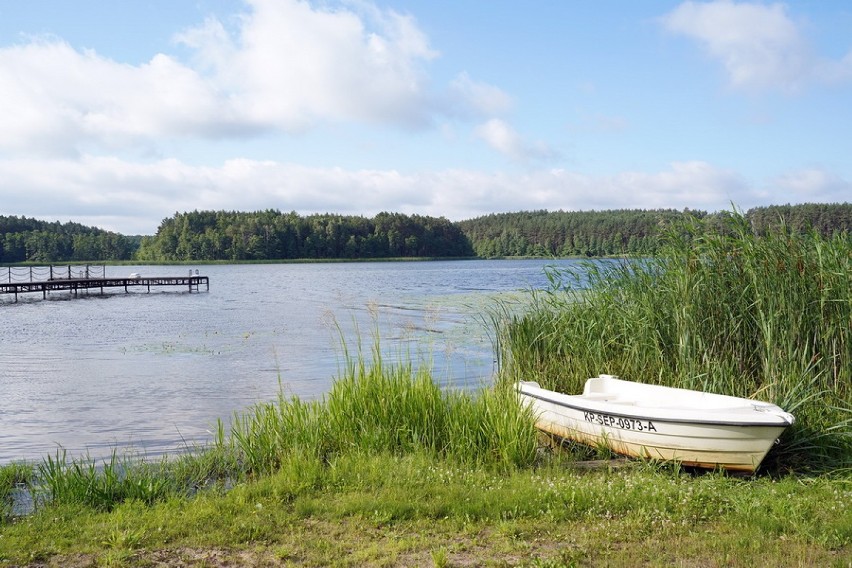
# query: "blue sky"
[[118, 114]]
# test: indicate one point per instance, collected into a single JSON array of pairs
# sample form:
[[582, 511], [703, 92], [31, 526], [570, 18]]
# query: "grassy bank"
[[421, 510]]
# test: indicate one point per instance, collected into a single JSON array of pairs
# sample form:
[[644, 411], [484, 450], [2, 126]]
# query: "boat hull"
[[738, 444]]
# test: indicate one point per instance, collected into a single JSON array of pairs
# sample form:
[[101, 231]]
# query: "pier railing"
[[15, 274]]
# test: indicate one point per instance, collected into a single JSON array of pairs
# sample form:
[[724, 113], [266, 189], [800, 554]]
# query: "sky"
[[120, 114]]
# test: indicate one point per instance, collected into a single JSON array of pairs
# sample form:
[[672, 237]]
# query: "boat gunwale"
[[597, 407]]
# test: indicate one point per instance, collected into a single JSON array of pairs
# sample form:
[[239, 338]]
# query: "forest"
[[570, 233], [30, 240], [273, 235], [824, 218], [628, 232]]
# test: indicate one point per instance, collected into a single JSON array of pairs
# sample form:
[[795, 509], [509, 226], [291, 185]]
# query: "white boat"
[[649, 421]]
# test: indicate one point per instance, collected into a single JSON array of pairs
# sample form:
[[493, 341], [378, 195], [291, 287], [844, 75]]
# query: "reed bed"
[[103, 484], [767, 317], [83, 481], [385, 409]]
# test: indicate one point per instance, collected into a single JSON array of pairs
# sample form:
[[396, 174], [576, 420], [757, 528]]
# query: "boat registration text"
[[619, 422]]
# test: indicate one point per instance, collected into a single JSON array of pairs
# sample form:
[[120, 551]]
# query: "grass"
[[728, 312], [419, 509]]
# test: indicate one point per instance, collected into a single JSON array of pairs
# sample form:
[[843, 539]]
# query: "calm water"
[[153, 372]]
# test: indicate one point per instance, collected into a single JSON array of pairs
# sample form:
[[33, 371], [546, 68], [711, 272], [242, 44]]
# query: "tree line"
[[273, 235], [824, 218], [570, 233], [629, 232], [30, 240]]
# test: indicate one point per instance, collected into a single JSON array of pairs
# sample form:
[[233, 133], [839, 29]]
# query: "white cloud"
[[811, 185], [292, 64], [478, 98], [760, 46], [695, 184], [134, 198], [56, 100], [287, 66], [500, 136]]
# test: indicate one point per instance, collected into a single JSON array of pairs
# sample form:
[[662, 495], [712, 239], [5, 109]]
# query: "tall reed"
[[726, 311], [12, 477], [378, 408], [83, 481]]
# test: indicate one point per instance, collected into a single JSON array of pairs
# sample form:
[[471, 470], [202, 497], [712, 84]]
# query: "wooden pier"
[[87, 283]]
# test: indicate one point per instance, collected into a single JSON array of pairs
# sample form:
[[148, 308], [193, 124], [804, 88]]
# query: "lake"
[[152, 372]]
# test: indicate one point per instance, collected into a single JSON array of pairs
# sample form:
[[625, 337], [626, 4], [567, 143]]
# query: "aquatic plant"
[[12, 477], [723, 311], [379, 408], [101, 486]]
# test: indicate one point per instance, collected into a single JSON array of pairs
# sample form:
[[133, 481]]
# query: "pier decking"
[[85, 283]]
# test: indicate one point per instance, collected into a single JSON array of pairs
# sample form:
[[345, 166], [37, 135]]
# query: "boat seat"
[[602, 396], [609, 397]]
